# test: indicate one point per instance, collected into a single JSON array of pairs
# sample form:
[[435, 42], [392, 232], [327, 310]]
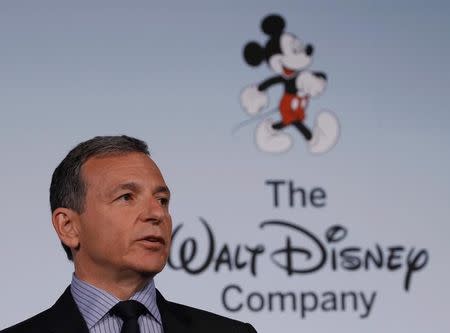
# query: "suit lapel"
[[173, 321], [65, 316]]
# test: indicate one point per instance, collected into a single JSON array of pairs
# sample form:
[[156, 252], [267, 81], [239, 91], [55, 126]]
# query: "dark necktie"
[[129, 312]]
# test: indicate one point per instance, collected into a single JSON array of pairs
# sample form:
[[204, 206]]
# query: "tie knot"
[[128, 309]]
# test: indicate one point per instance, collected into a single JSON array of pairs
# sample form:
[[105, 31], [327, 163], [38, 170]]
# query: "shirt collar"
[[94, 303]]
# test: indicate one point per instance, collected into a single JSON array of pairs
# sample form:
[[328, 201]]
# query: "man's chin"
[[147, 267], [149, 272]]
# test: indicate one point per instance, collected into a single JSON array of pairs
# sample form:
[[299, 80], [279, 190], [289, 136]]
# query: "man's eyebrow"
[[134, 187], [131, 186], [162, 189]]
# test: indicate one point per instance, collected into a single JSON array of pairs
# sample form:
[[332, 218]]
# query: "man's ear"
[[67, 225]]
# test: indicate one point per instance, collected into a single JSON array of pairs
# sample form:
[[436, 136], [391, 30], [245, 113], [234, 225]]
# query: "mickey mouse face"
[[294, 55], [283, 52]]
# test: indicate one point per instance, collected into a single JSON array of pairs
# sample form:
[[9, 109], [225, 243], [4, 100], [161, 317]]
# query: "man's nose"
[[153, 211]]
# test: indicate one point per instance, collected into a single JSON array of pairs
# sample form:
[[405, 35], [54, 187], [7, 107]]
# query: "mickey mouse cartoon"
[[288, 57]]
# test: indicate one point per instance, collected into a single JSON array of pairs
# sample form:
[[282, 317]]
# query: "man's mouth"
[[156, 240], [287, 71]]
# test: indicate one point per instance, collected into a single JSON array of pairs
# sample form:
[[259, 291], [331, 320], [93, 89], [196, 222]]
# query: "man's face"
[[126, 226]]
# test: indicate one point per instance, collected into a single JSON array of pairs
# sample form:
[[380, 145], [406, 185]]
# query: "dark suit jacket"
[[64, 317]]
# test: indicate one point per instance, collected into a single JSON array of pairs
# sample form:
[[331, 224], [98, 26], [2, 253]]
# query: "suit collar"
[[65, 316], [173, 321], [94, 303]]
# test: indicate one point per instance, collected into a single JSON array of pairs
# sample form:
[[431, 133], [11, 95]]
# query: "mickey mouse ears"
[[253, 53], [273, 25]]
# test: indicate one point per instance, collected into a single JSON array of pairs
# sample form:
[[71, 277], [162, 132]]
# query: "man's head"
[[109, 207]]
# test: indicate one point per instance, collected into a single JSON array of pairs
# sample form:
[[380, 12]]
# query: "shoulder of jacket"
[[34, 324], [205, 317]]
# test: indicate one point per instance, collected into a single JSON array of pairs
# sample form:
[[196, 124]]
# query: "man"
[[110, 209]]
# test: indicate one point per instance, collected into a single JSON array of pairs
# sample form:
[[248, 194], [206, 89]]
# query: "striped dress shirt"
[[94, 305]]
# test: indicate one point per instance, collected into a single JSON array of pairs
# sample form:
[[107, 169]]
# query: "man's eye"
[[125, 197], [163, 201]]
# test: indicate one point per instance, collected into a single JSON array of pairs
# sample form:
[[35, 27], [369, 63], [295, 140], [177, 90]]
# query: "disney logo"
[[298, 251]]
